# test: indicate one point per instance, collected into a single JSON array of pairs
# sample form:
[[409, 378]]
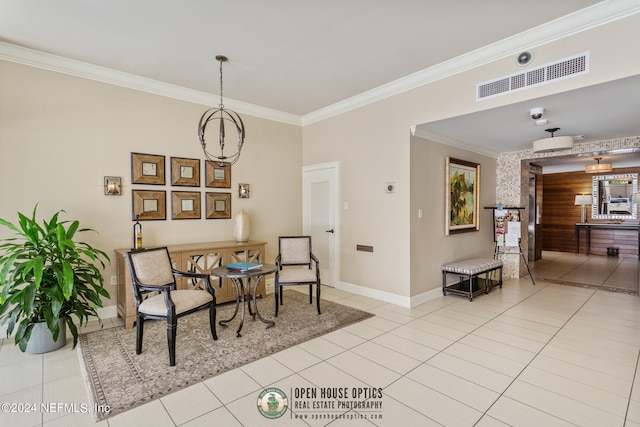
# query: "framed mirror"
[[614, 196]]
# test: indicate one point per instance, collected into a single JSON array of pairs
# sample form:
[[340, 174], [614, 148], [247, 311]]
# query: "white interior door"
[[319, 197]]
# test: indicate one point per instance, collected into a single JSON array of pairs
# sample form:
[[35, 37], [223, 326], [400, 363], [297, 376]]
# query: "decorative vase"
[[41, 340], [242, 226]]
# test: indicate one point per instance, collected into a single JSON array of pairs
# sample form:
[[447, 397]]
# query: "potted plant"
[[48, 280]]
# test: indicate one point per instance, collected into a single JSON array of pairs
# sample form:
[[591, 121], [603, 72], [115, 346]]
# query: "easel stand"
[[499, 228]]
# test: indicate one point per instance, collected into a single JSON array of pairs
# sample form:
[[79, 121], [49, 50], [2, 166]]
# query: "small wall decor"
[[112, 186], [217, 174], [185, 172], [218, 205], [462, 195], [185, 205], [243, 191], [147, 169], [149, 204]]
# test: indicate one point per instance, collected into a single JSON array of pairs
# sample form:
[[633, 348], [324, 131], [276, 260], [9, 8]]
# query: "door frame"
[[334, 168]]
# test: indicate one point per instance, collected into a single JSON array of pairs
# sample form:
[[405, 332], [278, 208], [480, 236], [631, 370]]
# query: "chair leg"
[[310, 294], [318, 296], [212, 321], [276, 291], [172, 325], [139, 333]]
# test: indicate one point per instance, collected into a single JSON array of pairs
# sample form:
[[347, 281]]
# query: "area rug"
[[118, 378]]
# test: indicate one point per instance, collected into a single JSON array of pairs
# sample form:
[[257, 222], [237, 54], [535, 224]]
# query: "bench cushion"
[[471, 267]]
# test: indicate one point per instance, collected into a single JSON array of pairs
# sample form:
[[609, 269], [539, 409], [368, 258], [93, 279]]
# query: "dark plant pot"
[[41, 340]]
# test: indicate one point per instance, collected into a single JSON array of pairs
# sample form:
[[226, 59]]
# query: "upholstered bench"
[[468, 270]]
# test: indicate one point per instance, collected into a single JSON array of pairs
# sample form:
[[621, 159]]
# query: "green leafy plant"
[[46, 276]]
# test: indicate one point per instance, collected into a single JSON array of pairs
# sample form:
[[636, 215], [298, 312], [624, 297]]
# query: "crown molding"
[[421, 133], [47, 61], [577, 22]]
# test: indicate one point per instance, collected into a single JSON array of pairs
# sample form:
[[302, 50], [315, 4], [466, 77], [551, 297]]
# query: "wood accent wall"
[[560, 215]]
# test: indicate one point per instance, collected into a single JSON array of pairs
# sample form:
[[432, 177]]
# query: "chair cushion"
[[183, 299], [297, 275]]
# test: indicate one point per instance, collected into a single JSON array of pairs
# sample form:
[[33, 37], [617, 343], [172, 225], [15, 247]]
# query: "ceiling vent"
[[562, 69]]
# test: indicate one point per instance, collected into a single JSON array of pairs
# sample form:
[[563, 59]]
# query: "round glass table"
[[253, 278]]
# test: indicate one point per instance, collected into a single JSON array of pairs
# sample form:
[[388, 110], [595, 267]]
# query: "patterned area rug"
[[119, 379]]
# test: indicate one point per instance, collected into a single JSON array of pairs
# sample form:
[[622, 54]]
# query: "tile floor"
[[620, 274], [523, 355]]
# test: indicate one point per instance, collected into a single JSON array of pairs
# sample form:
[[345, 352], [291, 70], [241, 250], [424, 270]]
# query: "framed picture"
[[185, 205], [218, 205], [217, 174], [149, 204], [462, 196], [185, 172], [147, 169]]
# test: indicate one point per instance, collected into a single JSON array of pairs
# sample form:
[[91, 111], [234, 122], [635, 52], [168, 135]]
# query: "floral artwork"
[[463, 181]]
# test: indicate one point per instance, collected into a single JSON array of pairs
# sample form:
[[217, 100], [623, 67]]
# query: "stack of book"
[[243, 266]]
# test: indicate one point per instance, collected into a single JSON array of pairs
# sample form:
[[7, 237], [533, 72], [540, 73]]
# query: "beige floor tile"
[[576, 390], [321, 348], [21, 375], [445, 331], [585, 375], [327, 375], [423, 338], [484, 358], [231, 385], [634, 411], [392, 359], [219, 417], [487, 421], [498, 348], [455, 387], [396, 412], [266, 370], [296, 358], [70, 391], [24, 407], [365, 370], [363, 330], [74, 420], [382, 324], [438, 407], [514, 340], [515, 413], [407, 347], [586, 361], [190, 403], [150, 414], [344, 339], [561, 407], [471, 371], [614, 352]]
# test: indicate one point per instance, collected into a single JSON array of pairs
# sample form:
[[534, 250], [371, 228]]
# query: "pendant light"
[[221, 115], [598, 167], [552, 143]]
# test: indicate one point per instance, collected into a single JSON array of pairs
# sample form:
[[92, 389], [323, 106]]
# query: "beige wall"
[[60, 135], [373, 145]]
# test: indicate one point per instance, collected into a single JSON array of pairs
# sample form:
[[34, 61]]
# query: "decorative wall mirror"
[[613, 197]]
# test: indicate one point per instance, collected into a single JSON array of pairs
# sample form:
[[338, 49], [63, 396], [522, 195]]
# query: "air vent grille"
[[565, 68]]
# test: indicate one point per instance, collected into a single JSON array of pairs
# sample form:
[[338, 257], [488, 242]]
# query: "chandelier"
[[221, 115], [598, 167]]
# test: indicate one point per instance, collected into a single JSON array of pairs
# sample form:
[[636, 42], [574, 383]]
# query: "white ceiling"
[[303, 57]]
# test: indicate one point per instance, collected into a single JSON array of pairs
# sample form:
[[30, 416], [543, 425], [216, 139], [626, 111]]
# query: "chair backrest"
[[150, 267], [295, 250]]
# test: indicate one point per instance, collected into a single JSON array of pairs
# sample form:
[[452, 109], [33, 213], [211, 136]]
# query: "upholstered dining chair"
[[296, 265], [156, 296]]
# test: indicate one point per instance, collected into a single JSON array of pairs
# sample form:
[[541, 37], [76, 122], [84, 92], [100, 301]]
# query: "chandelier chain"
[[221, 104]]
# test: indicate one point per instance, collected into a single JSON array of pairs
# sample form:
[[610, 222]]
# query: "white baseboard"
[[390, 297]]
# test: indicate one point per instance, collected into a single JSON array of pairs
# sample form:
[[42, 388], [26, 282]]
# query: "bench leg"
[[444, 283]]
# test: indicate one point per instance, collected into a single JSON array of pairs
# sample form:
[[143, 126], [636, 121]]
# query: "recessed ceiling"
[[599, 112]]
